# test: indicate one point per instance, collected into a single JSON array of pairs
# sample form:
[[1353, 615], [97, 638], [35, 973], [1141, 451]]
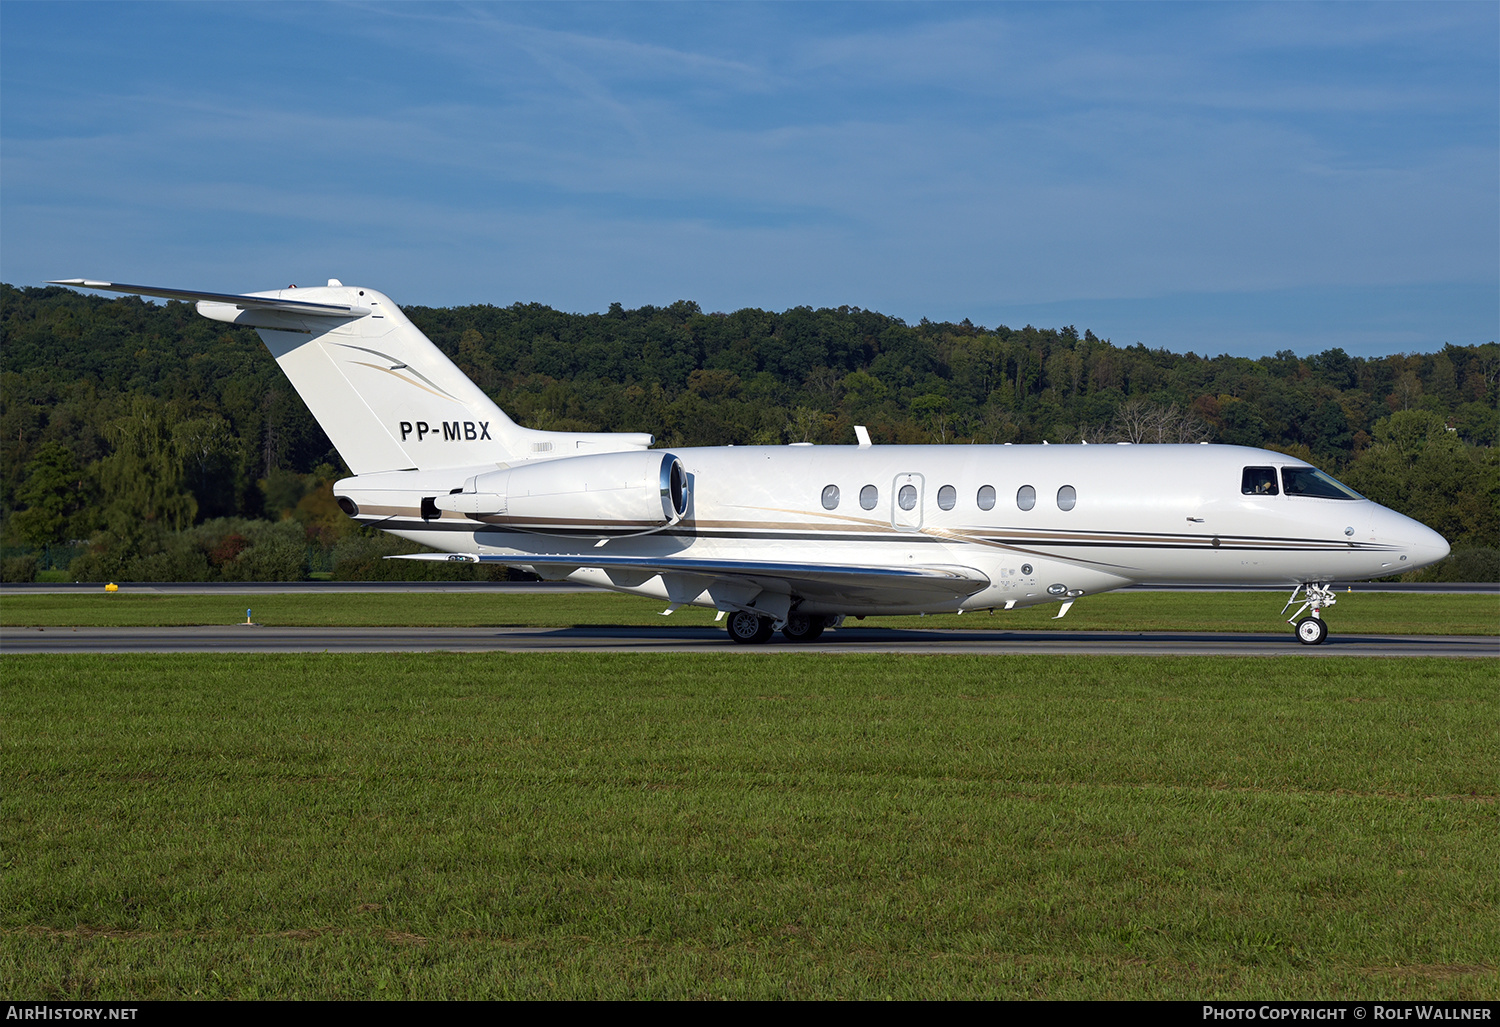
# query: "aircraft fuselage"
[[1099, 517]]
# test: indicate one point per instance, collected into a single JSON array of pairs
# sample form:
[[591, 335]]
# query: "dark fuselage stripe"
[[1141, 541]]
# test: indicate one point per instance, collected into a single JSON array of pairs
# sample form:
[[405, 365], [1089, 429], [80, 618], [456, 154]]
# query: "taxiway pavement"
[[666, 639]]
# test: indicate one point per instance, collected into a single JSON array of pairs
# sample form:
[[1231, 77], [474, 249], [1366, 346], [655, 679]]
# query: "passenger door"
[[906, 502]]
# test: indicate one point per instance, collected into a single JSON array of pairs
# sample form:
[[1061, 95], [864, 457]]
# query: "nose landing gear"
[[1310, 629]]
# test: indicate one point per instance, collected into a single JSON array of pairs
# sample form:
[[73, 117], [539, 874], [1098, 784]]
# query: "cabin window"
[[986, 497], [947, 497], [830, 497], [1067, 497], [869, 496], [1026, 497], [907, 497], [1258, 481], [1309, 481]]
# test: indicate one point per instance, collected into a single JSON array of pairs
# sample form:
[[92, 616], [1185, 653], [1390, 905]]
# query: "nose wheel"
[[1311, 630]]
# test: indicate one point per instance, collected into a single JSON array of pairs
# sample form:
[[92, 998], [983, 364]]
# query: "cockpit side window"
[[1309, 481], [1258, 481]]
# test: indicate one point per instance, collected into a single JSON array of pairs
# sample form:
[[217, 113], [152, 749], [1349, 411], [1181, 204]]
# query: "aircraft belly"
[[444, 541]]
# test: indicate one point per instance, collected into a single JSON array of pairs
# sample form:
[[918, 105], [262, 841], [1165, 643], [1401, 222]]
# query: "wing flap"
[[924, 583]]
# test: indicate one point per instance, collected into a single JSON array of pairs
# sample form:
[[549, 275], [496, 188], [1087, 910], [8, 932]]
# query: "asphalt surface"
[[666, 639], [250, 588]]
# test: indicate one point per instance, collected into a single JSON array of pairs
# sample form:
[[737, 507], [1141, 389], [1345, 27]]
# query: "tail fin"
[[387, 397]]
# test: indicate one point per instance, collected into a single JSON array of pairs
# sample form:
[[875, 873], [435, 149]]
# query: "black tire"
[[1311, 631], [802, 627], [749, 628]]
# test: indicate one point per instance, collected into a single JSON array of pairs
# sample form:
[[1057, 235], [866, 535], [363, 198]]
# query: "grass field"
[[1356, 613], [578, 826]]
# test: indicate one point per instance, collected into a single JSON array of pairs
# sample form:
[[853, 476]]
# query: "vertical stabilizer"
[[387, 397]]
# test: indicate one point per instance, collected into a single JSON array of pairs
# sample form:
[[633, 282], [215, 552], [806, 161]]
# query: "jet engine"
[[605, 494]]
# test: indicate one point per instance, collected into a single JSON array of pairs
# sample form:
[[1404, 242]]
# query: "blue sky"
[[1236, 178]]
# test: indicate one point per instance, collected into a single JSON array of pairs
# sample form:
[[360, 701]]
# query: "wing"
[[831, 583], [243, 302]]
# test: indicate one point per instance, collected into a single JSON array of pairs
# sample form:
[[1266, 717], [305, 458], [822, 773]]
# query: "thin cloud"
[[943, 161]]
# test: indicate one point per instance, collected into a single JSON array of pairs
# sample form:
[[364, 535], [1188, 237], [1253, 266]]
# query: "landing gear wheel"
[[802, 627], [748, 628], [1311, 631]]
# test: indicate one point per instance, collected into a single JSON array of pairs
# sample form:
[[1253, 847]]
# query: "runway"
[[667, 639], [253, 588]]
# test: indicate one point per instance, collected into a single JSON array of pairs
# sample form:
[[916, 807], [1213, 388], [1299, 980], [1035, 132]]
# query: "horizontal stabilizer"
[[244, 302]]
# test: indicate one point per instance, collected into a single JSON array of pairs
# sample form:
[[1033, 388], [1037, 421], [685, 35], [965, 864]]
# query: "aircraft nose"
[[1421, 545], [1428, 547]]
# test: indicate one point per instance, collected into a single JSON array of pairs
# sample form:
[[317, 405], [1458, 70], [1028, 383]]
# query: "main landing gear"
[[1310, 629], [748, 628], [803, 627]]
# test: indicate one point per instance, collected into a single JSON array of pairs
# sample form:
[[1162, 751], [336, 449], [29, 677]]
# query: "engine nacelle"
[[603, 494]]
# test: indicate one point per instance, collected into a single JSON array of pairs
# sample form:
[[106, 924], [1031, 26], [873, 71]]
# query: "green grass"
[[474, 826], [1359, 612]]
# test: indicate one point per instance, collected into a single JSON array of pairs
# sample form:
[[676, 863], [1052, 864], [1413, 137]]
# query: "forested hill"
[[178, 419]]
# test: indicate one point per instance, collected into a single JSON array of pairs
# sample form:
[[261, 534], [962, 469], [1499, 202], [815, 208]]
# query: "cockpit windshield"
[[1309, 481]]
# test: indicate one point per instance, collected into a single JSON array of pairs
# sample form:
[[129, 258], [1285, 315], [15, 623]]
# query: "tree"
[[144, 477], [1422, 469], [1141, 422], [1241, 425], [804, 425], [55, 493], [209, 451]]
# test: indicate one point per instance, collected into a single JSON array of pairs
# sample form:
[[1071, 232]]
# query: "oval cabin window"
[[1026, 497], [1067, 497], [986, 497], [830, 497], [947, 497], [907, 497], [869, 496]]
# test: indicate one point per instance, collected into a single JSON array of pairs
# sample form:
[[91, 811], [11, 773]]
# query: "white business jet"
[[795, 538]]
